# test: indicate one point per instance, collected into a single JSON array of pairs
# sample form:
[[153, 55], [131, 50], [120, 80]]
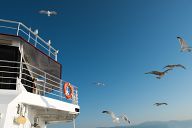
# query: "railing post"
[[29, 36], [35, 40], [49, 45], [36, 33], [21, 62], [18, 28], [56, 52], [56, 57], [75, 96], [21, 70]]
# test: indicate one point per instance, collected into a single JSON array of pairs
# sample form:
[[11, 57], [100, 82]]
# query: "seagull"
[[158, 104], [171, 66], [114, 118], [99, 84], [124, 118], [48, 13], [158, 73], [184, 45]]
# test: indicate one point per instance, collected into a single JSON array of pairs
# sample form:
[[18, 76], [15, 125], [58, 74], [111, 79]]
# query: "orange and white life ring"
[[68, 94]]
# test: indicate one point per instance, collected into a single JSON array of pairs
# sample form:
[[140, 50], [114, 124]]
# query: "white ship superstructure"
[[32, 93]]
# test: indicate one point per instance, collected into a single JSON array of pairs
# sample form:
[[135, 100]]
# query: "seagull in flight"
[[113, 116], [171, 66], [158, 73], [184, 45], [99, 84], [159, 104], [48, 13]]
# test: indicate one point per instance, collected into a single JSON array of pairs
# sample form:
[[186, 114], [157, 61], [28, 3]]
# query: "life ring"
[[68, 95]]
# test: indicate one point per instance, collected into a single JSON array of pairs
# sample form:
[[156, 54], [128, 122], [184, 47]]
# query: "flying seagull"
[[159, 104], [158, 73], [99, 84], [124, 118], [184, 45], [114, 118], [171, 66], [48, 13]]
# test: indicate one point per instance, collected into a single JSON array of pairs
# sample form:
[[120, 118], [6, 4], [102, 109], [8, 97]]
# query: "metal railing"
[[34, 80], [18, 28]]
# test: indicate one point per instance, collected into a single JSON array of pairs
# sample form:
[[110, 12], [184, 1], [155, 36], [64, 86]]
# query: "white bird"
[[184, 45], [48, 13], [115, 119], [36, 31], [99, 84]]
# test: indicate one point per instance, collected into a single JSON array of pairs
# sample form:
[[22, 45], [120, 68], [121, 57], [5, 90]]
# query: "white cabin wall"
[[3, 110], [10, 115]]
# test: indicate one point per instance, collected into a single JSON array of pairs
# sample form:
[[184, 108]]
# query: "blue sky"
[[116, 42]]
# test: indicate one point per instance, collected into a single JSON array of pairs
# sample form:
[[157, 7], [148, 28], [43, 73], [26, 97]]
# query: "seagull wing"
[[149, 72], [107, 112], [97, 83], [103, 84], [111, 114], [169, 66], [53, 12], [43, 12], [125, 118], [153, 72], [167, 70], [183, 44], [179, 65], [157, 104], [165, 103], [174, 65]]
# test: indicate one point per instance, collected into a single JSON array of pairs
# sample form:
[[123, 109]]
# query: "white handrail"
[[28, 34], [48, 85], [9, 21]]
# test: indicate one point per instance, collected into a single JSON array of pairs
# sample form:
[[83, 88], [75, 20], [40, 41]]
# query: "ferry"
[[32, 92]]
